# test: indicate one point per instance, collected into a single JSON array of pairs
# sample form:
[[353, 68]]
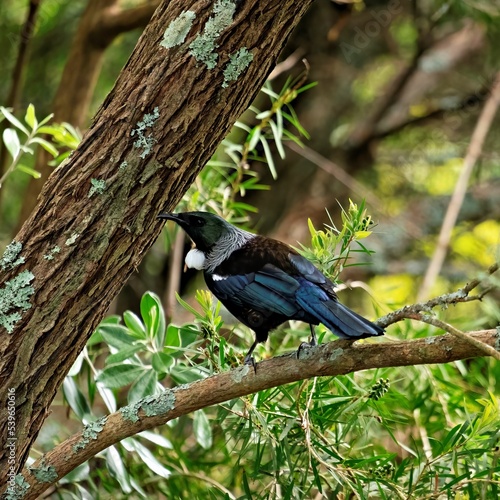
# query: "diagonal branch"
[[335, 358], [461, 295], [473, 153]]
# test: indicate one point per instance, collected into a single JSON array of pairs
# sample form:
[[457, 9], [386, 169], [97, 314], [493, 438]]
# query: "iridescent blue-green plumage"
[[264, 282]]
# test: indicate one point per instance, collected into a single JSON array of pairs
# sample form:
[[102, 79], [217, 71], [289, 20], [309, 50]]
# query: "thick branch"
[[334, 358], [117, 20]]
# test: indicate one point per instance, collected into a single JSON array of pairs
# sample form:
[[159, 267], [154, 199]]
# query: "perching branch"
[[335, 358]]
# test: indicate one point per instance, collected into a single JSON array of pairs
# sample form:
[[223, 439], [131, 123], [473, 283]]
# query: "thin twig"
[[461, 295], [474, 151], [431, 320], [287, 64]]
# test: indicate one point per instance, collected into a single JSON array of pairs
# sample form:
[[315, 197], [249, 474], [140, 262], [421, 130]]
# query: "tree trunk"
[[97, 213]]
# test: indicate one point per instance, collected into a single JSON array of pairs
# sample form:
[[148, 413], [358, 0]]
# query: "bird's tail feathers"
[[341, 320]]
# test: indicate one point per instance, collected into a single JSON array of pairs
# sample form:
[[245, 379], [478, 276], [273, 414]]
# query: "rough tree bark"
[[97, 213]]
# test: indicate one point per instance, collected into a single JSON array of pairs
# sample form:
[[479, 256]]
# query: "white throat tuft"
[[195, 259]]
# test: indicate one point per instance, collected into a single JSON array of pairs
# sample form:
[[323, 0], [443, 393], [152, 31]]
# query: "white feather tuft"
[[195, 259]]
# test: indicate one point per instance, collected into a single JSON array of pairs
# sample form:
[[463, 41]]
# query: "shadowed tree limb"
[[335, 358]]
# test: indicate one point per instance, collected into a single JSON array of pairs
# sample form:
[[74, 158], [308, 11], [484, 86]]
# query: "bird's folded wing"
[[269, 290], [309, 271]]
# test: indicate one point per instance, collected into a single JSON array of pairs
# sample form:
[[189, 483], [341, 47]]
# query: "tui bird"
[[264, 282]]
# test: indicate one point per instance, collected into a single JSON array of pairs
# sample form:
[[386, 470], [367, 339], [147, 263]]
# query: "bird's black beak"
[[175, 217], [178, 218]]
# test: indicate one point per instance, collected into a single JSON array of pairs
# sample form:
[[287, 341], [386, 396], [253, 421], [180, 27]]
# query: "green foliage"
[[20, 139], [229, 173], [331, 248]]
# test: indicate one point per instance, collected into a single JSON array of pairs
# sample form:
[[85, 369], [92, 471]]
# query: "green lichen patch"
[[123, 165], [335, 354], [130, 413], [98, 186], [90, 432], [44, 473], [72, 239], [158, 405], [17, 490], [52, 252], [150, 405], [240, 373], [178, 29], [11, 257], [238, 62], [203, 47], [143, 140], [15, 299]]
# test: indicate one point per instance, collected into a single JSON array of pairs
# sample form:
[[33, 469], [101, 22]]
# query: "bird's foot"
[[250, 360]]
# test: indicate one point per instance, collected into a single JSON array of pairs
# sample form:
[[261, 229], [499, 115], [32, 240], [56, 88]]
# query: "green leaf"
[[145, 385], [28, 170], [46, 145], [80, 473], [188, 307], [30, 117], [12, 119], [202, 430], [123, 354], [107, 396], [76, 400], [162, 362], [189, 334], [172, 338], [45, 120], [157, 439], [117, 469], [77, 365], [253, 138], [134, 324], [116, 335], [11, 141], [154, 317], [277, 139], [186, 375], [147, 457], [116, 376], [269, 157]]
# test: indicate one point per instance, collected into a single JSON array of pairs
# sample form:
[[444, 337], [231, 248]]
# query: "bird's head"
[[204, 228]]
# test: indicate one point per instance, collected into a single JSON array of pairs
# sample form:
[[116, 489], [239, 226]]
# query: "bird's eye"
[[197, 222]]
